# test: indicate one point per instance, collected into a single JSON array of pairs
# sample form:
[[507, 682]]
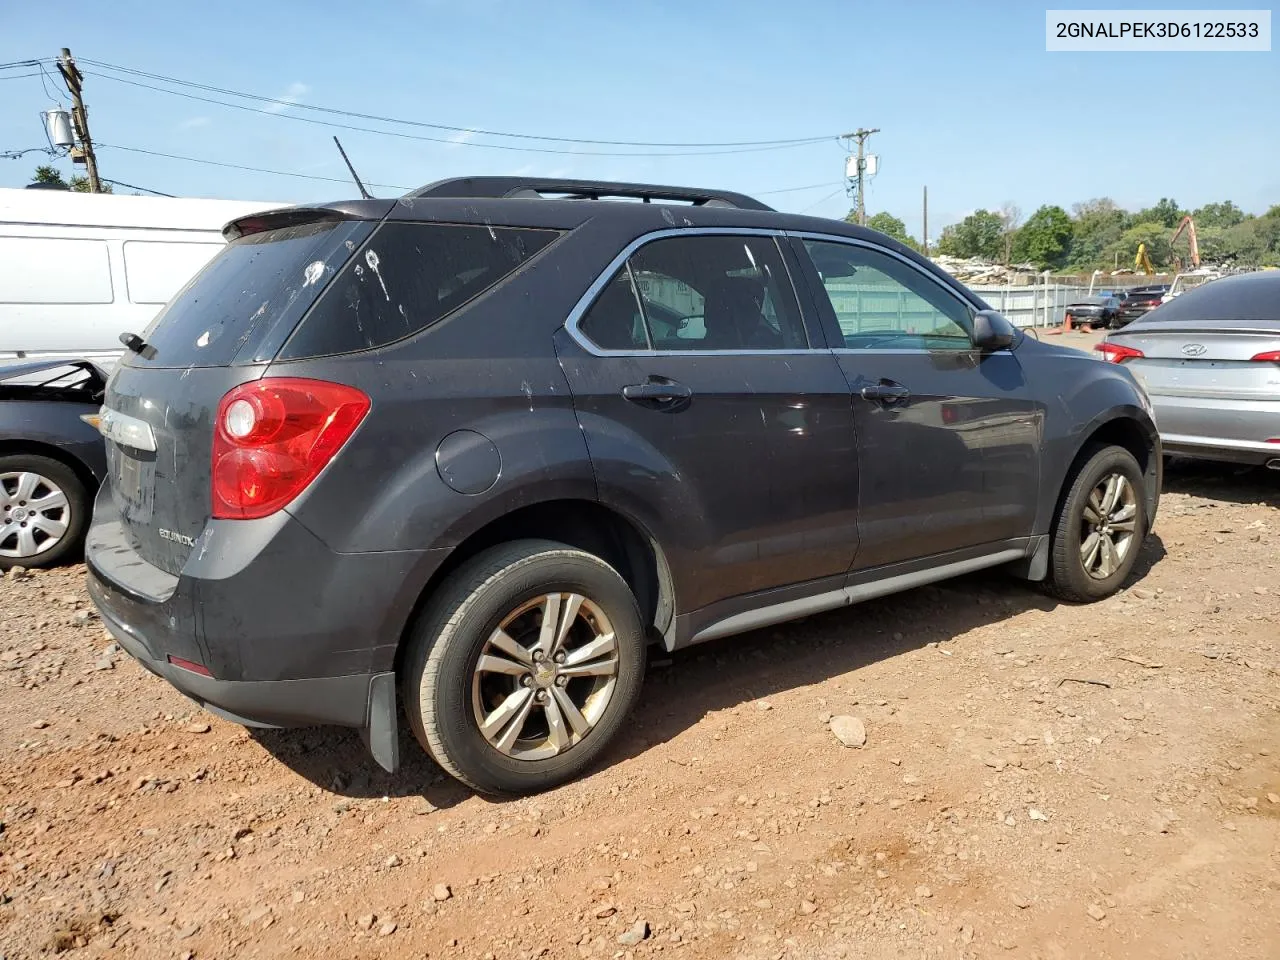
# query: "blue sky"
[[966, 97]]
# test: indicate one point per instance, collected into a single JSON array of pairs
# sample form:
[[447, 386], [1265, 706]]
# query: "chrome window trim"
[[580, 308]]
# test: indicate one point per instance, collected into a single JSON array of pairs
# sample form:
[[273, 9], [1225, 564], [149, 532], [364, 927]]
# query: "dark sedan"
[[51, 459], [1094, 311], [1138, 302]]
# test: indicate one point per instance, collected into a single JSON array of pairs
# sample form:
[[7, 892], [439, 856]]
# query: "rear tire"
[[44, 511], [504, 704], [1100, 526]]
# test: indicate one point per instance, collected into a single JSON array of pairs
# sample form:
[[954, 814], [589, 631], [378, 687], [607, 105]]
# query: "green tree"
[[1097, 224], [1225, 214], [1154, 234], [977, 235], [1254, 242], [1045, 239], [48, 174], [79, 182], [891, 226], [1166, 212]]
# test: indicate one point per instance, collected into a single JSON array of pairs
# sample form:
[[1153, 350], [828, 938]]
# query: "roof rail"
[[538, 187]]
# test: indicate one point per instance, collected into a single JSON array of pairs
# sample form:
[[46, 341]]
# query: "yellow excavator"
[[1142, 261]]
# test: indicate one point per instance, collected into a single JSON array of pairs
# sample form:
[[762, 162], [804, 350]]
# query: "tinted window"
[[254, 284], [700, 293], [408, 276], [881, 301], [614, 321]]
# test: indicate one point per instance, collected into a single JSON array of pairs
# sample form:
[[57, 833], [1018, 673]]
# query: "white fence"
[[1037, 305]]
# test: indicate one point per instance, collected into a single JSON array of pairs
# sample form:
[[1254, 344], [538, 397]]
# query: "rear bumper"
[[1227, 451], [1234, 431], [341, 701], [292, 633]]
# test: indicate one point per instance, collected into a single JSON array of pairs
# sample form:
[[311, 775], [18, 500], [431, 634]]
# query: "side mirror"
[[991, 331]]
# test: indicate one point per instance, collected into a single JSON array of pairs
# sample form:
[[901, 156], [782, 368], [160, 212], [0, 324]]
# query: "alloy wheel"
[[1108, 525], [34, 515], [545, 676]]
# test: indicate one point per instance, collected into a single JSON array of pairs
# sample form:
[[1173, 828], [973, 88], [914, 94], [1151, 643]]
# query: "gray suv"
[[459, 459]]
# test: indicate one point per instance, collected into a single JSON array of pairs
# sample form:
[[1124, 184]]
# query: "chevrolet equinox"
[[459, 458]]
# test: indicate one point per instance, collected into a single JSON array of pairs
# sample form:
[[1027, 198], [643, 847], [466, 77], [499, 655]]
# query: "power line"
[[811, 206], [19, 76], [130, 186], [310, 176], [16, 154], [445, 140], [13, 64], [475, 131], [240, 166], [812, 186]]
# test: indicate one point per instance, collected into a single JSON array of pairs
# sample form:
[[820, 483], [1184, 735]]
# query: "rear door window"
[[711, 293], [407, 277], [255, 285]]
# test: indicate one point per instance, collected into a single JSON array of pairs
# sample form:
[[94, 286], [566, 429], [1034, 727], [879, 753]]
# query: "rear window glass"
[[407, 277], [258, 284]]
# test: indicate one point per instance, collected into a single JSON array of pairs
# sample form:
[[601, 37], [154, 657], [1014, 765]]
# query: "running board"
[[846, 596]]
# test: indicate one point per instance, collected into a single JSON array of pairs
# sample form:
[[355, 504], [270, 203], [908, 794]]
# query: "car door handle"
[[660, 394], [886, 391]]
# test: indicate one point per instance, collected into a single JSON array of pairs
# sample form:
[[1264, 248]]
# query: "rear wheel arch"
[[17, 447], [585, 525]]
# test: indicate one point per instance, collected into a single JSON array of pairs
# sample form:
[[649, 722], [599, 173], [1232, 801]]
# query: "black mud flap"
[[380, 733]]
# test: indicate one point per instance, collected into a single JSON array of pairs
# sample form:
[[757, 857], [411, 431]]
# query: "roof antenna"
[[354, 176]]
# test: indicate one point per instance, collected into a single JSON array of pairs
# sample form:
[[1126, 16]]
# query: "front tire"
[[524, 666], [1100, 527], [44, 510]]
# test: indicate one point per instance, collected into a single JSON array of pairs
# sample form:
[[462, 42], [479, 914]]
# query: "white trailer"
[[78, 269]]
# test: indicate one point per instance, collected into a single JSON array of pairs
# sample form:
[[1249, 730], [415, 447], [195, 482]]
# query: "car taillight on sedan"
[[1271, 356], [273, 437], [1116, 353]]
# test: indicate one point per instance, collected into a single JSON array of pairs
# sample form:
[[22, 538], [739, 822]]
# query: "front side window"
[[883, 302], [699, 292]]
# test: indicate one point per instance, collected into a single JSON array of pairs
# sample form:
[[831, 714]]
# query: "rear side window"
[[255, 285], [407, 277]]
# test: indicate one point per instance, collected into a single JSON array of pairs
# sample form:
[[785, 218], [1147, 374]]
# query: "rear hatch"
[[219, 331]]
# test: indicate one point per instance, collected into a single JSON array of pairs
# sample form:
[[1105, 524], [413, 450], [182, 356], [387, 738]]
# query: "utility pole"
[[925, 231], [80, 118], [859, 136]]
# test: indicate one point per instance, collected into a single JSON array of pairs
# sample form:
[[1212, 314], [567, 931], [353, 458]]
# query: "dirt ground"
[[1038, 781]]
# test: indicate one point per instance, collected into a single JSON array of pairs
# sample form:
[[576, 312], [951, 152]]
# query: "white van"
[[79, 269]]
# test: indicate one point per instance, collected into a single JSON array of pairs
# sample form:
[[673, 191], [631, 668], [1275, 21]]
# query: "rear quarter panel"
[[26, 425]]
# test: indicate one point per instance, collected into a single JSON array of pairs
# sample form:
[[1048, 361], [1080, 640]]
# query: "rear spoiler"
[[298, 216]]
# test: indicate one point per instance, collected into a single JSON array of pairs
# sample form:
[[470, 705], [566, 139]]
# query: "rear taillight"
[[1271, 356], [273, 436], [1116, 353]]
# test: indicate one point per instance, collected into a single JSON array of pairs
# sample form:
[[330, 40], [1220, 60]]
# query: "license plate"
[[134, 485]]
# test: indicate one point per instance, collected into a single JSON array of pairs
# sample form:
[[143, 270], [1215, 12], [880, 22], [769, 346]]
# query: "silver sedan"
[[1210, 362]]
